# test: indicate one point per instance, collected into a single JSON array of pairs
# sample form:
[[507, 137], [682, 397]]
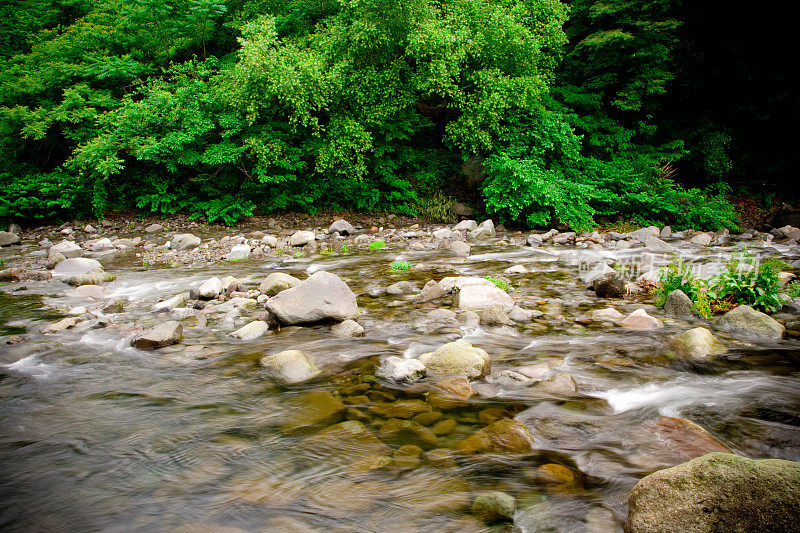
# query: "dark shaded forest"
[[536, 112]]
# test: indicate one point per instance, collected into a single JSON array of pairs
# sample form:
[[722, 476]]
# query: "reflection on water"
[[97, 436]]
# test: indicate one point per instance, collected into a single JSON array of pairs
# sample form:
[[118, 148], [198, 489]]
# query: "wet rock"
[[495, 316], [164, 334], [746, 322], [607, 314], [450, 394], [348, 328], [504, 436], [465, 226], [239, 252], [639, 320], [657, 245], [345, 442], [516, 269], [290, 367], [407, 457], [77, 265], [95, 292], [184, 241], [251, 331], [322, 297], [458, 358], [678, 305], [117, 305], [431, 291], [300, 238], [8, 238], [402, 370], [558, 385], [61, 325], [789, 232], [696, 343], [427, 418], [313, 409], [609, 287], [66, 248], [444, 427], [400, 409], [534, 240], [599, 271], [444, 233], [687, 438], [717, 492], [178, 300], [460, 248], [14, 339], [54, 258], [210, 289], [342, 227], [555, 476], [24, 274], [701, 239], [475, 297], [398, 431], [401, 287], [494, 506], [518, 314], [277, 282], [485, 230], [94, 278]]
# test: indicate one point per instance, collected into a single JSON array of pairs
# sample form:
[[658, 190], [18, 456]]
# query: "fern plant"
[[748, 281], [500, 283], [400, 265]]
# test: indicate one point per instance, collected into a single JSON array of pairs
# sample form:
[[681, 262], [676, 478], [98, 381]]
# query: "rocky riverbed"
[[284, 376]]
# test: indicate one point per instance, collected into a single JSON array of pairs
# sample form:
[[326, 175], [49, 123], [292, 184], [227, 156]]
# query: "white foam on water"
[[670, 398], [32, 366]]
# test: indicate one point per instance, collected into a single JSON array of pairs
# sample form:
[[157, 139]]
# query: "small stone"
[[184, 241], [170, 304], [494, 316], [250, 331], [494, 506], [678, 305], [450, 394], [164, 334], [210, 288], [558, 385], [239, 252], [458, 358], [400, 369], [504, 436], [639, 320], [153, 228], [342, 227], [465, 226], [609, 287], [696, 343], [300, 238], [460, 248], [401, 287], [516, 269], [61, 325], [348, 328], [397, 431], [407, 457], [701, 239], [277, 282]]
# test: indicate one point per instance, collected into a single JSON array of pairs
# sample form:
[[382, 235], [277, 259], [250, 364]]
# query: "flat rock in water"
[[24, 274], [164, 334], [323, 297], [657, 245], [503, 436], [460, 248], [77, 265], [478, 297], [400, 369], [290, 367], [686, 438], [746, 322], [717, 492], [401, 287]]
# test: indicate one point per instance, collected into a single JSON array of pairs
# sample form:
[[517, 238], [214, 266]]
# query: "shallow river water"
[[98, 436]]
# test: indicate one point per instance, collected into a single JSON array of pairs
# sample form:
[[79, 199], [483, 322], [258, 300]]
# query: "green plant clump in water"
[[793, 290], [749, 281], [299, 254], [345, 248], [401, 265], [500, 283], [377, 245], [327, 251], [678, 276]]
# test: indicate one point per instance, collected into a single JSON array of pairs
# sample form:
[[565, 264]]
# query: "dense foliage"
[[224, 108]]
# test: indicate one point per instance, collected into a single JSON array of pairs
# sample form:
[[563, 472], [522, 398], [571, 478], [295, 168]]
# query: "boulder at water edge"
[[161, 335], [277, 282], [184, 241], [77, 265], [476, 297], [746, 322], [323, 297], [342, 227], [678, 305], [290, 367], [718, 492], [458, 358], [7, 238]]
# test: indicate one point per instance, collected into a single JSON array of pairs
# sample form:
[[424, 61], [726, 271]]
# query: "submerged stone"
[[504, 436]]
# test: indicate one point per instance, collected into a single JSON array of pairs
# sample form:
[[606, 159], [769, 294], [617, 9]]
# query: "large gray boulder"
[[184, 241], [164, 334], [746, 322], [7, 238], [718, 492], [342, 227], [77, 265], [696, 343], [485, 230], [290, 367], [458, 358], [323, 297]]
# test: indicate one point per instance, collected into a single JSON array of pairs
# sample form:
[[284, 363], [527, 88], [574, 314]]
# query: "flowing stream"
[[98, 436]]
